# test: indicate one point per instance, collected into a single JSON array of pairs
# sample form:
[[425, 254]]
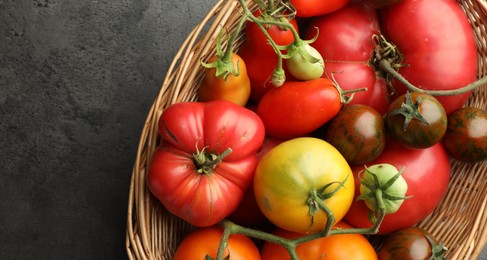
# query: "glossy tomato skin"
[[427, 173], [345, 42], [381, 3], [248, 212], [310, 8], [298, 108], [235, 89], [199, 195], [438, 47], [346, 246], [290, 172], [407, 243], [205, 241], [260, 57], [418, 134], [358, 132], [466, 135]]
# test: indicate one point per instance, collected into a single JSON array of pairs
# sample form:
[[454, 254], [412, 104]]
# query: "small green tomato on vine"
[[382, 188], [303, 61]]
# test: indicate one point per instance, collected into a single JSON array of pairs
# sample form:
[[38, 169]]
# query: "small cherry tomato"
[[358, 132], [466, 135], [416, 120], [204, 242]]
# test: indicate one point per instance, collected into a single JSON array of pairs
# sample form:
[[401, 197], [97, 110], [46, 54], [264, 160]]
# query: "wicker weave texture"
[[153, 233]]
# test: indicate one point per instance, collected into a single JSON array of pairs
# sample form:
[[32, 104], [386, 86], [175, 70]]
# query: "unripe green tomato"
[[301, 67], [384, 173]]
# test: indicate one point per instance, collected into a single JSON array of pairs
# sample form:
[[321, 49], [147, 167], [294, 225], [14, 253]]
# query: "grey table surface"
[[77, 79]]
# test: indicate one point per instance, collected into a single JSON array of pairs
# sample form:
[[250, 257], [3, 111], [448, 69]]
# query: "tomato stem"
[[278, 77], [206, 162], [291, 244], [232, 228], [223, 243], [316, 198], [410, 110], [386, 65], [346, 96]]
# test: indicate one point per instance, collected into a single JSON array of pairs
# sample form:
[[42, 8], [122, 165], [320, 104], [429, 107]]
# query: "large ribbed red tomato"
[[206, 159]]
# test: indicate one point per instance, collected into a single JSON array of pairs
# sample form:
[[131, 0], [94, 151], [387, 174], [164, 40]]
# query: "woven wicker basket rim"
[[460, 221]]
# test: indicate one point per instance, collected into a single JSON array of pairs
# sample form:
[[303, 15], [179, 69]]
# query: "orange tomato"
[[234, 88], [339, 247], [205, 241]]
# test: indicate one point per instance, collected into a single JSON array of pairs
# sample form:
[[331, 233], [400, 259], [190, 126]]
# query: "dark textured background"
[[77, 79]]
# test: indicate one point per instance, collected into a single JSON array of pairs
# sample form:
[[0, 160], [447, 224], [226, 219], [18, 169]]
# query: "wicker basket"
[[153, 233]]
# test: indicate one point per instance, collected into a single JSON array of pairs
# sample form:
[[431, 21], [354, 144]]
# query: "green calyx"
[[385, 183], [410, 111], [317, 198], [438, 250], [223, 65], [206, 162]]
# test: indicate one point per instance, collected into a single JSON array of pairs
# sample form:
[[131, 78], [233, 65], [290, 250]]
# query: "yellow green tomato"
[[297, 182]]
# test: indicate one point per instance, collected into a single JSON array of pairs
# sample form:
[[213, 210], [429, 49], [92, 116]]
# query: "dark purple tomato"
[[358, 133], [466, 135], [416, 120], [411, 243]]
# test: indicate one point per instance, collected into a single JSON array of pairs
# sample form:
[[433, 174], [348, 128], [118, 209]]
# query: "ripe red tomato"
[[298, 107], [204, 242], [438, 49], [427, 173], [346, 44], [466, 135], [438, 46], [358, 132], [260, 57], [346, 246], [309, 8], [191, 172], [234, 88]]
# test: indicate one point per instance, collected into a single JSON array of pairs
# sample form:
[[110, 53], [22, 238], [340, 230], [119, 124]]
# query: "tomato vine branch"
[[386, 65], [291, 244]]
